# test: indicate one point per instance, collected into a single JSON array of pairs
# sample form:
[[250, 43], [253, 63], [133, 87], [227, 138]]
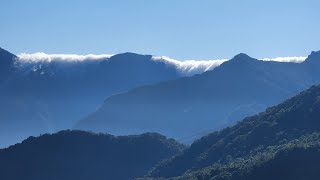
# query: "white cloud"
[[294, 59], [191, 67], [40, 56], [187, 67]]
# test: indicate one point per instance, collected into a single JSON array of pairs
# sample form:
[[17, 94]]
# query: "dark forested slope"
[[77, 155], [290, 120]]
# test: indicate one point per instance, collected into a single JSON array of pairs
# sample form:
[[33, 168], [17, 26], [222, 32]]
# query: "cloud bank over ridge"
[[186, 67], [40, 56], [191, 67], [294, 59]]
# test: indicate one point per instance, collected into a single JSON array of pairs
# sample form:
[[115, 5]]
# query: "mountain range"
[[48, 96], [131, 94], [279, 143], [189, 107]]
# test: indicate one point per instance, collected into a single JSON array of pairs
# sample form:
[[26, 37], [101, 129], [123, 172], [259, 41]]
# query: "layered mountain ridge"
[[269, 145], [40, 97], [186, 107], [280, 143]]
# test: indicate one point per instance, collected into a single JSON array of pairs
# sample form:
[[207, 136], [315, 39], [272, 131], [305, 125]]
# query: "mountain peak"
[[4, 54], [313, 57], [130, 55], [6, 62], [242, 57], [1, 50]]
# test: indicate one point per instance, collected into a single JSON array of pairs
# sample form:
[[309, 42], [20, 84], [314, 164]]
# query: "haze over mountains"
[[46, 93], [280, 143], [159, 90], [41, 96], [189, 107]]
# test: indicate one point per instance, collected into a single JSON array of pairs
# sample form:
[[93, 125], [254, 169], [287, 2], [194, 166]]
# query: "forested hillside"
[[290, 124], [78, 155]]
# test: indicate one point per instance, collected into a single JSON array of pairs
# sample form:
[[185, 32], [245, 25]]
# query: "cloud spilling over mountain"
[[191, 67], [295, 59], [185, 67], [32, 86], [40, 56], [45, 93], [185, 107]]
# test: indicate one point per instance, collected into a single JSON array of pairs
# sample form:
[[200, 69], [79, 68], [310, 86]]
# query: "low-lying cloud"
[[294, 59], [191, 67], [187, 67], [40, 56]]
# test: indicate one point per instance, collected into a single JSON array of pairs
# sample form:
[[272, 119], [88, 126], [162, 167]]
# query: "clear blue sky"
[[182, 29]]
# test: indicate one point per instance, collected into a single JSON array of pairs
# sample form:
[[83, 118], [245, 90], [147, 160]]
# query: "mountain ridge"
[[279, 124], [31, 92], [85, 155], [237, 88]]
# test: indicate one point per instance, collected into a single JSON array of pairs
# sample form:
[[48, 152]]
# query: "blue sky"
[[181, 29]]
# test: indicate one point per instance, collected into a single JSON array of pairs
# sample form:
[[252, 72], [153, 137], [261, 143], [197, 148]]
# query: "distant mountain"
[[47, 96], [78, 155], [280, 143], [189, 107]]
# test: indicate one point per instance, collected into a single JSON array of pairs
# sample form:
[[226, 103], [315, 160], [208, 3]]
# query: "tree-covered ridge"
[[285, 122], [80, 155], [296, 159]]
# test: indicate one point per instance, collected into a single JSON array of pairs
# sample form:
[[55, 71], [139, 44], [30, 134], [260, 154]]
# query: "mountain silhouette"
[[48, 96], [76, 155], [6, 65], [188, 107], [280, 143]]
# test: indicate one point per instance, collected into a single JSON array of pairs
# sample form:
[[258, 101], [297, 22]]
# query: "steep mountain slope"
[[296, 160], [86, 84], [76, 155], [187, 107], [279, 126], [41, 96], [6, 65]]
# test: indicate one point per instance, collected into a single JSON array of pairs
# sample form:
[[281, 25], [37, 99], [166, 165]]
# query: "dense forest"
[[280, 143], [297, 159], [78, 155]]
